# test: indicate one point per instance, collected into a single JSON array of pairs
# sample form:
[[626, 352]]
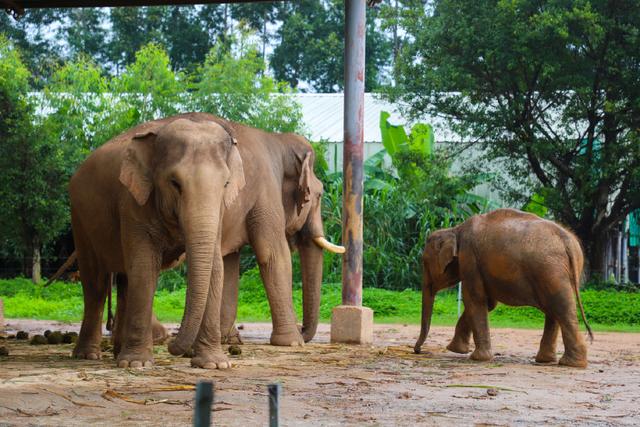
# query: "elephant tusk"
[[325, 244]]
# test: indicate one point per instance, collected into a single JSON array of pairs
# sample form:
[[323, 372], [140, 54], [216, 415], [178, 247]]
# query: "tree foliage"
[[46, 135], [33, 209], [310, 46], [548, 87], [232, 84]]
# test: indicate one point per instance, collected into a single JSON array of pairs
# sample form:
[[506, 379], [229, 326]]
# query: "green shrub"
[[63, 302]]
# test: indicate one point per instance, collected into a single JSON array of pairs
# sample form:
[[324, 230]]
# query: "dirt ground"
[[326, 384]]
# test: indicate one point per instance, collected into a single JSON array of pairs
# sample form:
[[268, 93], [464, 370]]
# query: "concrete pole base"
[[352, 325]]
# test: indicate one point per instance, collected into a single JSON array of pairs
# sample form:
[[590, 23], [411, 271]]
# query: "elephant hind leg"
[[462, 336], [229, 307], [563, 309], [121, 309], [95, 287], [547, 351]]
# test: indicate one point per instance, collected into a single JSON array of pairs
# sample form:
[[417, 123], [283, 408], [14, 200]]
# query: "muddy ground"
[[326, 384]]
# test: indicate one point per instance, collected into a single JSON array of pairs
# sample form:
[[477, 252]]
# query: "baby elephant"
[[511, 257]]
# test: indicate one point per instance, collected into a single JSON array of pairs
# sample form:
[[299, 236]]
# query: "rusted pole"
[[353, 159]]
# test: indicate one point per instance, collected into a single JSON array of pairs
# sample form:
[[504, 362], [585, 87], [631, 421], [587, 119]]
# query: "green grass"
[[605, 309]]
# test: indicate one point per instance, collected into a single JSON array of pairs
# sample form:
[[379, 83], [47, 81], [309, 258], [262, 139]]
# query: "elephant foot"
[[287, 339], [212, 360], [160, 334], [546, 357], [130, 358], [87, 351], [233, 337], [457, 346], [481, 355], [567, 360]]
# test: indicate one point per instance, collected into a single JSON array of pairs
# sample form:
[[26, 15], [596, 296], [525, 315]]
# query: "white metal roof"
[[323, 115]]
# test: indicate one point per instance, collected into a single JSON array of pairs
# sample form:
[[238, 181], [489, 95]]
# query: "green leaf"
[[393, 137]]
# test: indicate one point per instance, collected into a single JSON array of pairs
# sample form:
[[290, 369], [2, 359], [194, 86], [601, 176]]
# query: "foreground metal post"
[[204, 401], [351, 322], [274, 404], [353, 163]]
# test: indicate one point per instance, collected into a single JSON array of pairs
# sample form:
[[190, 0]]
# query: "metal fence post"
[[204, 401], [274, 404]]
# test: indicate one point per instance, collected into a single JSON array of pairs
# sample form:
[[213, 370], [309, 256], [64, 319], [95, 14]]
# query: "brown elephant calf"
[[511, 257]]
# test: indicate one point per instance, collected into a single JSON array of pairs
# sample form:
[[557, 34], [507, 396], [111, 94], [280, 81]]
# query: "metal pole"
[[204, 400], [352, 164], [274, 404]]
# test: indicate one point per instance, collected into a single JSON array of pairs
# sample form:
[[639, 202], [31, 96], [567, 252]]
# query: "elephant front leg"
[[207, 349], [274, 259], [137, 337], [547, 351], [229, 307]]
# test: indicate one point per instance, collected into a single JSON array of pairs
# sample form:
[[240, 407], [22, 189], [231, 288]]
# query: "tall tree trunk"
[[595, 248], [35, 265], [31, 260]]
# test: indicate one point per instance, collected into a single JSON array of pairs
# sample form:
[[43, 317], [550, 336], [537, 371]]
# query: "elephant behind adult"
[[511, 257], [279, 209], [137, 203]]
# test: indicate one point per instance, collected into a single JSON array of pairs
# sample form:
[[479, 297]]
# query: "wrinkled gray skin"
[[277, 212], [137, 203], [511, 257]]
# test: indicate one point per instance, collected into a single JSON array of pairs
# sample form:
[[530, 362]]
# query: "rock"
[[22, 335], [492, 391], [47, 333], [69, 337], [240, 327], [54, 337], [38, 340], [4, 351], [235, 350]]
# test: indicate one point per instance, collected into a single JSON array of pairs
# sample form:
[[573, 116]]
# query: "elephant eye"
[[176, 185], [225, 184]]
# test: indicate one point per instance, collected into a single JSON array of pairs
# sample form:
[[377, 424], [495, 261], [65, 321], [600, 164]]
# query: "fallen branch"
[[485, 387]]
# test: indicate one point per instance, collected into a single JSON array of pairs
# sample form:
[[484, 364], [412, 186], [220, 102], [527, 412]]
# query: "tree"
[[148, 89], [33, 208], [231, 83], [34, 35], [548, 87], [258, 16], [311, 46], [85, 33], [132, 28]]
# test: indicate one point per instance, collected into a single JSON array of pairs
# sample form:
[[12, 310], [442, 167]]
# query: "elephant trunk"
[[311, 258], [428, 299], [201, 238]]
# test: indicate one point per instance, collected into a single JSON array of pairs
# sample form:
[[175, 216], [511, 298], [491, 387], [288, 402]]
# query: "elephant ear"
[[135, 171], [303, 194], [236, 180], [448, 251]]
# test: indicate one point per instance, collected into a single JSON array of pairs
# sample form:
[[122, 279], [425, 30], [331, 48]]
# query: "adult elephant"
[[137, 203], [278, 211]]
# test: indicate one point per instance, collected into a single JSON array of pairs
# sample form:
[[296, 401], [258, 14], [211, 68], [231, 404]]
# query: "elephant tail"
[[576, 261], [64, 267]]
